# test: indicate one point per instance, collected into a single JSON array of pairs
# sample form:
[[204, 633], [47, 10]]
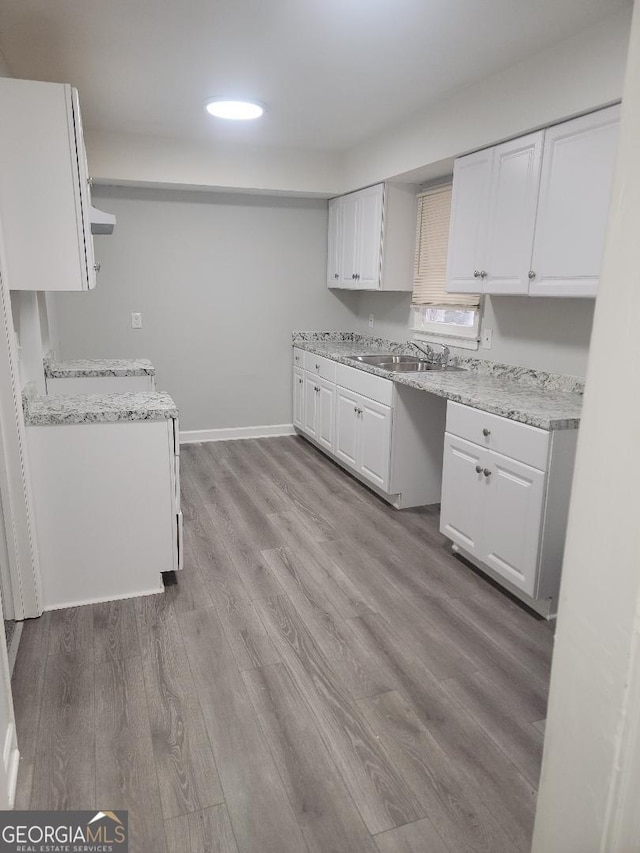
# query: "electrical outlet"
[[136, 320], [487, 335], [371, 321]]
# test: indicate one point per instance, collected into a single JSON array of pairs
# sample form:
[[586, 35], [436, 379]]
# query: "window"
[[436, 314]]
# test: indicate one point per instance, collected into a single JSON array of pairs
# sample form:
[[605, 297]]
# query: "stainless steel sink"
[[382, 358], [402, 363], [417, 366]]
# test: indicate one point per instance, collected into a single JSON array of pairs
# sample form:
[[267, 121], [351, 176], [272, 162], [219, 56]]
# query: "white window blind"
[[432, 240]]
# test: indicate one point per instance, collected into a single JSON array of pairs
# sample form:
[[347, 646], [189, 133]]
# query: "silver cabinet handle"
[[476, 273], [96, 267], [486, 432], [532, 275], [483, 274], [355, 409], [357, 276], [299, 381], [353, 275], [478, 469], [336, 275], [317, 367], [487, 472], [90, 181]]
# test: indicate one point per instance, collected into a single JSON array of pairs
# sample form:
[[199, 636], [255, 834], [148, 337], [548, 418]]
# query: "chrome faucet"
[[436, 358]]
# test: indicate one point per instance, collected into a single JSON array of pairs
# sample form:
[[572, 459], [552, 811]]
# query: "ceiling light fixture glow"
[[236, 110]]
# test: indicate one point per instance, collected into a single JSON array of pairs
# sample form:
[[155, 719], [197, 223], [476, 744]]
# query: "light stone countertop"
[[79, 367], [545, 400], [96, 408]]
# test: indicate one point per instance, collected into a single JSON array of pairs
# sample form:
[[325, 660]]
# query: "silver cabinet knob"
[[486, 432], [487, 472], [299, 381], [90, 181], [532, 275], [478, 469], [355, 409], [96, 267], [317, 367], [353, 275], [483, 274], [336, 275], [476, 273], [317, 390]]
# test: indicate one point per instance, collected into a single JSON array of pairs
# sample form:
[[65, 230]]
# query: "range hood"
[[101, 222]]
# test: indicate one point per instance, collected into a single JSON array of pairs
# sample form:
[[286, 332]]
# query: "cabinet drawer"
[[373, 387], [320, 366], [518, 441]]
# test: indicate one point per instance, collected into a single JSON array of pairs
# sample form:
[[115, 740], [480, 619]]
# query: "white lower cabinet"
[[107, 509], [363, 436], [319, 409], [508, 514], [389, 436], [298, 397]]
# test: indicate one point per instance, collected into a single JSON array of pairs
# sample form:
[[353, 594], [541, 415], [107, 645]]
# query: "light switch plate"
[[487, 335], [136, 320]]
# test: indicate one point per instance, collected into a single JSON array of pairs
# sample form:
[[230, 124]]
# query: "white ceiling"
[[331, 72]]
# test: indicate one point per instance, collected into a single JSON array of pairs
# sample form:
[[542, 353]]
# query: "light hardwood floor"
[[324, 676]]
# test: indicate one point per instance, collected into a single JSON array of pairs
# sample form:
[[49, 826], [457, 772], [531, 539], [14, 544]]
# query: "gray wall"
[[550, 334], [221, 282]]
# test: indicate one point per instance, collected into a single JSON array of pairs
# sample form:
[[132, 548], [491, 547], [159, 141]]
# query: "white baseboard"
[[233, 433]]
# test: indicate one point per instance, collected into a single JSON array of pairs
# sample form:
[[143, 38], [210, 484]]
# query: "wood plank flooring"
[[324, 677]]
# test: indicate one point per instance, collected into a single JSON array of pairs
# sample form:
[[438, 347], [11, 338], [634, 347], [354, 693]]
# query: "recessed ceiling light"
[[238, 110]]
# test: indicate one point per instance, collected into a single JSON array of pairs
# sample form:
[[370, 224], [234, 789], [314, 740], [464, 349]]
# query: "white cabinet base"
[[546, 607]]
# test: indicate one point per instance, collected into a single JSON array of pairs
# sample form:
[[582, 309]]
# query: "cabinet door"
[[347, 426], [515, 182], [374, 455], [573, 210], [298, 398], [309, 418], [85, 237], [369, 239], [467, 232], [334, 242], [326, 413], [464, 488], [513, 520], [348, 240]]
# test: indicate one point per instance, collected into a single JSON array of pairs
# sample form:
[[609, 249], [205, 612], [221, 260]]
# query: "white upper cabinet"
[[370, 235], [530, 215], [573, 209], [512, 215], [372, 239], [44, 188], [334, 247], [467, 234]]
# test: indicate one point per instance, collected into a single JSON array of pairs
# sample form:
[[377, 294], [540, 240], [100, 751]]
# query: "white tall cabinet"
[[44, 188], [529, 216]]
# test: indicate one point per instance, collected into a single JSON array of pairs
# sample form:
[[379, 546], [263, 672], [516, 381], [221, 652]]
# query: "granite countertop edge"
[[64, 410], [97, 367], [554, 403]]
